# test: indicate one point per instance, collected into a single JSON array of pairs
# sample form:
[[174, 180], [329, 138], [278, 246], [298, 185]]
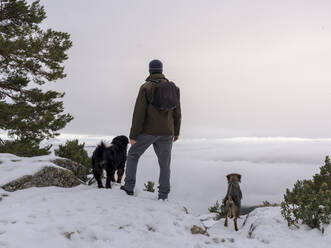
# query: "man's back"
[[148, 119]]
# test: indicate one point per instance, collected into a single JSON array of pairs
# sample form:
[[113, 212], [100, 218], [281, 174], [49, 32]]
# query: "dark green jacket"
[[149, 120]]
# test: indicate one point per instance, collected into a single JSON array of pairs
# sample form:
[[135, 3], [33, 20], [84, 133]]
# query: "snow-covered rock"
[[80, 171], [20, 173]]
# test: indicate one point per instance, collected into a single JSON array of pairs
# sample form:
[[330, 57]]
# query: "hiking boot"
[[163, 198], [129, 192]]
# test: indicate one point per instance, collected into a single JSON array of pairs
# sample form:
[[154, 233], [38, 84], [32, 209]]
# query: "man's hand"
[[132, 142], [176, 138]]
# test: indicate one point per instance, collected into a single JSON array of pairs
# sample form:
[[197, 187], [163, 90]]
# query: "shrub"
[[268, 204], [218, 209], [74, 151], [23, 148], [149, 186], [309, 202]]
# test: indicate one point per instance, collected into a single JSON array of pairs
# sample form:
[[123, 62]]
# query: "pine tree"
[[309, 202], [30, 57], [74, 151]]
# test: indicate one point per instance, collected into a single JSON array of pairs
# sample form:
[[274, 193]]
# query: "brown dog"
[[232, 200]]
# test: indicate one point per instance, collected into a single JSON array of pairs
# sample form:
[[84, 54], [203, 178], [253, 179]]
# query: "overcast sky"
[[245, 68]]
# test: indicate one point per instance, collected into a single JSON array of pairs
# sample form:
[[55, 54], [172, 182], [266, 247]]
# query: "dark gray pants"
[[162, 146]]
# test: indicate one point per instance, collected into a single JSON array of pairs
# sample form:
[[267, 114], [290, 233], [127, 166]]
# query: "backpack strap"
[[149, 88]]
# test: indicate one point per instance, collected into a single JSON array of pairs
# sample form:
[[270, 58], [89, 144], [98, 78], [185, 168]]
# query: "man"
[[156, 120]]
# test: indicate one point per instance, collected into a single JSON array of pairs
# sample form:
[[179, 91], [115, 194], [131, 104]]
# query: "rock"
[[198, 230], [150, 228], [79, 170], [68, 234], [48, 176]]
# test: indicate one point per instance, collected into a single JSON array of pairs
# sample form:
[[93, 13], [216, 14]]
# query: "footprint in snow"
[[104, 211], [176, 224], [179, 218], [32, 216], [4, 222], [149, 209], [3, 244], [2, 196]]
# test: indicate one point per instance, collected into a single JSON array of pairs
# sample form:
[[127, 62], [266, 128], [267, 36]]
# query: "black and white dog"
[[110, 158]]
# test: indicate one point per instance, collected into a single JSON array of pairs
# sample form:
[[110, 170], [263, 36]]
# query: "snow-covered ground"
[[89, 217]]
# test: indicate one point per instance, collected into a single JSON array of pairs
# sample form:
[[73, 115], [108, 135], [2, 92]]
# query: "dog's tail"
[[231, 206], [99, 150], [97, 156]]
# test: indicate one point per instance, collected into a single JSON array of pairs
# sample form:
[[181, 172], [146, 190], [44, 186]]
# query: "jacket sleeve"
[[139, 114], [177, 115]]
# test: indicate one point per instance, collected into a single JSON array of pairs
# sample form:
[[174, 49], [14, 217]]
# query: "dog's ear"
[[125, 139], [238, 176], [234, 174], [121, 140]]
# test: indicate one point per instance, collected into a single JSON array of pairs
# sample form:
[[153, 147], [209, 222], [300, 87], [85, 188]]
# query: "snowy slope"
[[46, 217], [265, 227], [89, 217]]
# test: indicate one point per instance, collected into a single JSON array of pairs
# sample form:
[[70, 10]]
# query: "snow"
[[42, 217], [85, 216]]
